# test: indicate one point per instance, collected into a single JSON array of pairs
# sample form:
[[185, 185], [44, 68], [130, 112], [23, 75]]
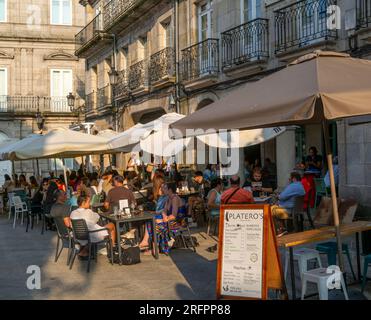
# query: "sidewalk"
[[183, 275]]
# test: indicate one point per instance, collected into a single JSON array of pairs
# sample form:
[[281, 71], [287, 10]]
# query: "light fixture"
[[172, 103], [71, 101], [39, 120], [113, 75]]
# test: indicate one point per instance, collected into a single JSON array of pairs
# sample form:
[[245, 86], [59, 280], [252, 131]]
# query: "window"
[[60, 87], [205, 20], [168, 33], [61, 12], [143, 47], [250, 10], [3, 10], [3, 89]]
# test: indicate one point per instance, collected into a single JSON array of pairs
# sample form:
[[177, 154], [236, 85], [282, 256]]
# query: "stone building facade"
[[185, 54], [38, 67]]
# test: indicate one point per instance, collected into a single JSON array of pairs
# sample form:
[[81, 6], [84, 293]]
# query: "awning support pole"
[[329, 157]]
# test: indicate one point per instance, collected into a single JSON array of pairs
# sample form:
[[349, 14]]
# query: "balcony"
[[200, 61], [245, 43], [121, 89], [88, 37], [303, 25], [32, 104], [90, 102], [119, 14], [162, 67], [363, 14], [138, 77], [104, 98]]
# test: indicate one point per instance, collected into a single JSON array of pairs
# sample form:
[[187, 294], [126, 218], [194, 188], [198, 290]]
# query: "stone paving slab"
[[182, 275]]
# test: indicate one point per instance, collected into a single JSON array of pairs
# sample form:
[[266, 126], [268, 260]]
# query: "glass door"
[[252, 37], [205, 27], [3, 89], [61, 86]]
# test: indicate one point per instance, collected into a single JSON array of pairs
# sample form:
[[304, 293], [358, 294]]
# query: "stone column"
[[286, 156], [29, 69]]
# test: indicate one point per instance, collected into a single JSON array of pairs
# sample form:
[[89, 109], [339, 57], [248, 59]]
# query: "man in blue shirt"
[[287, 200]]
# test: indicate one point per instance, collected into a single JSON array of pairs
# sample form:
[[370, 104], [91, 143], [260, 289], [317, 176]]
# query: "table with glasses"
[[292, 240], [118, 220]]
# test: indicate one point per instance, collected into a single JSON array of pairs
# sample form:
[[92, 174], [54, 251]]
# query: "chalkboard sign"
[[245, 269]]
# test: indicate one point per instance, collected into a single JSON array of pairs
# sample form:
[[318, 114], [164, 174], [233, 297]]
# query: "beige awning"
[[58, 143], [321, 85]]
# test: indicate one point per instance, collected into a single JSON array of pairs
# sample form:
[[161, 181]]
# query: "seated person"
[[91, 218], [60, 209], [201, 185], [235, 194], [258, 184], [174, 211], [214, 197], [161, 227], [313, 162], [117, 193], [287, 200]]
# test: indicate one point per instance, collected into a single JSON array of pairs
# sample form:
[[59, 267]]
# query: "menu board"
[[242, 252]]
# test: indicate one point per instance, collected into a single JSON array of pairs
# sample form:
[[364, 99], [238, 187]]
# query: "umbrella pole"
[[333, 194], [38, 168]]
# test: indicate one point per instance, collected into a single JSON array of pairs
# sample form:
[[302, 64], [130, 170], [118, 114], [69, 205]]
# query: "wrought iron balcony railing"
[[115, 10], [138, 75], [363, 13], [32, 104], [90, 101], [90, 31], [162, 65], [104, 97], [121, 89], [200, 60], [245, 43], [302, 24]]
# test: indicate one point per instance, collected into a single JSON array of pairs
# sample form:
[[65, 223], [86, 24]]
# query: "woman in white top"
[[91, 218]]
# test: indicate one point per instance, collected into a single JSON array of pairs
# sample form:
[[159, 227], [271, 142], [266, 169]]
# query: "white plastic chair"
[[20, 207], [10, 203], [321, 277], [302, 256]]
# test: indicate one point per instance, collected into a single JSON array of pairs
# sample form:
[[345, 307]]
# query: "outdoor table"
[[321, 234], [262, 199], [117, 220]]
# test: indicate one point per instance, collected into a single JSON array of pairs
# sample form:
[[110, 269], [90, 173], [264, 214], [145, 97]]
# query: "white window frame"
[[254, 14], [51, 84], [5, 11], [3, 98], [208, 13], [60, 14]]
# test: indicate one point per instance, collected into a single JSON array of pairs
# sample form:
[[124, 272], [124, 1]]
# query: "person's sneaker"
[[103, 251], [171, 242]]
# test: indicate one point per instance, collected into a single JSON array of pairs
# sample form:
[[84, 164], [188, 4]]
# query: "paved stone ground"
[[182, 275]]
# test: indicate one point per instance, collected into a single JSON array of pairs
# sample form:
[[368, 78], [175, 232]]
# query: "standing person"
[[286, 202], [117, 193], [235, 194], [8, 185], [105, 184], [313, 162], [313, 168]]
